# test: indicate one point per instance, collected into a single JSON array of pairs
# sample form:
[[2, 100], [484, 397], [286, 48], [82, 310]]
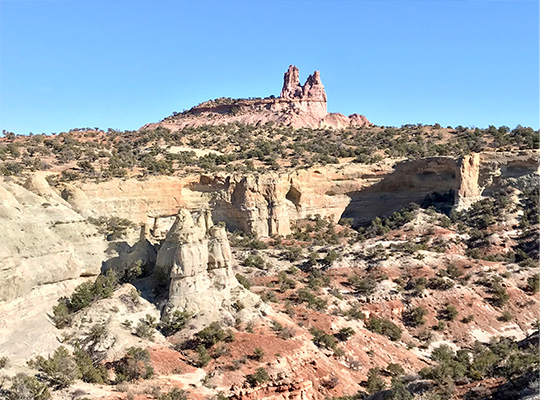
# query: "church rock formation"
[[298, 106], [312, 90]]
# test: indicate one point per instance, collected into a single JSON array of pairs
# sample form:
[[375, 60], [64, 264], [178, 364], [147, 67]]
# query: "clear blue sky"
[[121, 64]]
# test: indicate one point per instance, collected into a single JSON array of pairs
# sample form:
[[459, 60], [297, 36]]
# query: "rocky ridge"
[[298, 106]]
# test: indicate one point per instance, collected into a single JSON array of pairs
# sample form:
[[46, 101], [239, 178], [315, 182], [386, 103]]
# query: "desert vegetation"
[[90, 153]]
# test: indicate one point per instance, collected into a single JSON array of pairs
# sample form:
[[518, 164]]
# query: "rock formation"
[[298, 106], [267, 204], [291, 84], [44, 241], [47, 250], [197, 256], [142, 253], [313, 89]]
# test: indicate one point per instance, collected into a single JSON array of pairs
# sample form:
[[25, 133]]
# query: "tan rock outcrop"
[[44, 240], [291, 84], [139, 201], [267, 204], [469, 190], [197, 256], [483, 173], [313, 89]]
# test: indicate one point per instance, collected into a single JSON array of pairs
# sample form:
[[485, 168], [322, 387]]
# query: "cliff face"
[[266, 204], [47, 238], [44, 241], [47, 250], [298, 106]]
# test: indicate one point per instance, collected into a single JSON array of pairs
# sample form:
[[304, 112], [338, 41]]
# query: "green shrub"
[[59, 370], [440, 283], [174, 394], [395, 369], [506, 316], [467, 319], [90, 371], [384, 327], [134, 365], [62, 317], [363, 286], [243, 281], [317, 279], [213, 334], [323, 339], [258, 354], [285, 283], [418, 285], [269, 297], [24, 387], [533, 283], [450, 366], [173, 322], [306, 296], [499, 295], [11, 168], [133, 272], [260, 376], [331, 257], [414, 317], [203, 358], [449, 313], [146, 327], [255, 261], [292, 254], [344, 334], [113, 227], [355, 313], [374, 382], [84, 295]]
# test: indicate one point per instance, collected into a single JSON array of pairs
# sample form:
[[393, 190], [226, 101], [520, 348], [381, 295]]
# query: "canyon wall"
[[48, 239], [266, 204]]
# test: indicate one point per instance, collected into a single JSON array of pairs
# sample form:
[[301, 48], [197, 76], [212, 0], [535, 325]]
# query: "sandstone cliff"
[[48, 239], [298, 106], [47, 250], [267, 204], [44, 241]]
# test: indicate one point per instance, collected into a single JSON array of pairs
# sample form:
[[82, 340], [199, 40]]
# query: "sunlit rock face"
[[267, 204], [44, 241], [197, 256], [297, 106]]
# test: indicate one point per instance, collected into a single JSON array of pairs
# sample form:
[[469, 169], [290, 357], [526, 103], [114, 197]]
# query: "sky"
[[123, 63]]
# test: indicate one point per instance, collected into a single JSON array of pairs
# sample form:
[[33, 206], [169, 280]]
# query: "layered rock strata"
[[267, 204]]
